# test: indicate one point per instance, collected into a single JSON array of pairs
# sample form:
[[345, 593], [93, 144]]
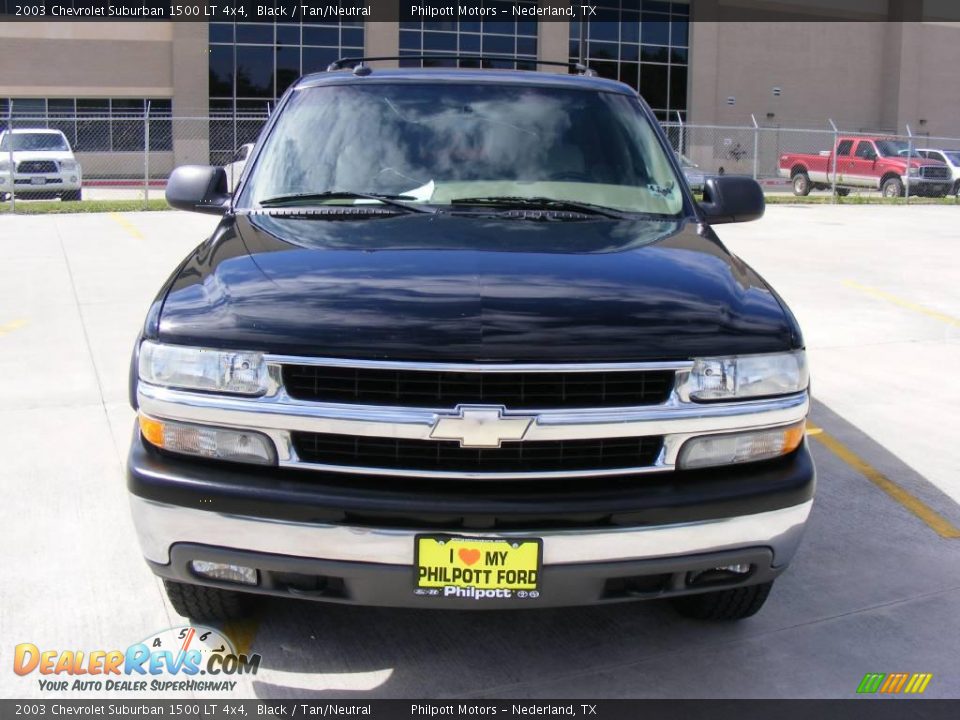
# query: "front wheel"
[[733, 604], [72, 196], [801, 184], [891, 188], [202, 603], [843, 192]]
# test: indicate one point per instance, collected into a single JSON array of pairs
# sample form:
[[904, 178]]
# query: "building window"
[[642, 43], [96, 124], [515, 40], [252, 64]]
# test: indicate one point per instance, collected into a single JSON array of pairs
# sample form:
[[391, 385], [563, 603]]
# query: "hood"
[[459, 288], [20, 155], [918, 162]]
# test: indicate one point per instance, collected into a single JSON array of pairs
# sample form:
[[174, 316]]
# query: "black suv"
[[464, 339]]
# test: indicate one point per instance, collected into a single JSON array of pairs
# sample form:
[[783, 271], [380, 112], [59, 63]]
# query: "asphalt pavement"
[[875, 586]]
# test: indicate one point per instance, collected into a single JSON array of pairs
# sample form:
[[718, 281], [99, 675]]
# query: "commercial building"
[[877, 68]]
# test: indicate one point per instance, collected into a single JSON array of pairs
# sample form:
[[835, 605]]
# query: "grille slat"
[[431, 455], [423, 388]]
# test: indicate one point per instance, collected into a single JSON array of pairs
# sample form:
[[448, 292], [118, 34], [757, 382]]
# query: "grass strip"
[[43, 207]]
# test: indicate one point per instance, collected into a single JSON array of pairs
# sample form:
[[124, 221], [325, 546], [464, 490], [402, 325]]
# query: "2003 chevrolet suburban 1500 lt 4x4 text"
[[463, 339]]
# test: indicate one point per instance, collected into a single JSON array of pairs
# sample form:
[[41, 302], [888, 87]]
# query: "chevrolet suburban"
[[464, 339]]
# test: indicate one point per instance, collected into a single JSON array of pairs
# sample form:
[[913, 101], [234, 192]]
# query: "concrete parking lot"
[[875, 587]]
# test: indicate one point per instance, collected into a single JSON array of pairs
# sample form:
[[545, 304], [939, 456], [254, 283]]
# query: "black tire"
[[733, 604], [72, 196], [892, 187], [956, 188], [202, 603], [843, 192], [801, 184]]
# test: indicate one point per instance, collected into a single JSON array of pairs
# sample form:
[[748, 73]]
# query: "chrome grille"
[[446, 389], [337, 428], [37, 166], [939, 172]]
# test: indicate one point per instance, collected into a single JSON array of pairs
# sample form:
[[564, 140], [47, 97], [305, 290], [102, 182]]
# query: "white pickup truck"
[[950, 158], [38, 163]]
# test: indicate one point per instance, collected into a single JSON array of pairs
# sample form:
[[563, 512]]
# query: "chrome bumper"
[[52, 182], [921, 180], [161, 526]]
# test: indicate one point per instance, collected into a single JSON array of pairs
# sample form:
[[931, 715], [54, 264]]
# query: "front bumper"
[[25, 184], [387, 585], [928, 184], [351, 540]]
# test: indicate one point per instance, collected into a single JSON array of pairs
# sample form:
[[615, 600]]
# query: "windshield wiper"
[[541, 203], [392, 200]]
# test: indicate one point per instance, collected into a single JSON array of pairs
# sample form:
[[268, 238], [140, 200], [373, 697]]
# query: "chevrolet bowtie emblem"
[[480, 427]]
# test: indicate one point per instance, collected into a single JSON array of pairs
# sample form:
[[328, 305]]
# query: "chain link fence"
[[113, 156], [764, 153], [130, 156]]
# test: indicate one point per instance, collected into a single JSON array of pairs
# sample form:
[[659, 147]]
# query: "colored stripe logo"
[[895, 683]]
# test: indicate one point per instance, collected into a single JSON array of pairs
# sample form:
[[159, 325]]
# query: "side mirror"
[[199, 188], [732, 198]]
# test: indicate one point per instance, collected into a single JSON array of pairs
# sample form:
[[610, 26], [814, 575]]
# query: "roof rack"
[[360, 66]]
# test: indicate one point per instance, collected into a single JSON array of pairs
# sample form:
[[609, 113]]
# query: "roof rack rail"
[[361, 62]]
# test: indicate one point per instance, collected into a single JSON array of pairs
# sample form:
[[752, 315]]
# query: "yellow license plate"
[[477, 568]]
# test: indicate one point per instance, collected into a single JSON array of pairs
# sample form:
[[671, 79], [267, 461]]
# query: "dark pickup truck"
[[464, 339]]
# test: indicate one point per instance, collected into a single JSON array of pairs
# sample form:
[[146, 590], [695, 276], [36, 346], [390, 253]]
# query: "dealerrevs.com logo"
[[191, 658]]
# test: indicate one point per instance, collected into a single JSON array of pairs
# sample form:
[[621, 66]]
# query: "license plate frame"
[[468, 584], [38, 181]]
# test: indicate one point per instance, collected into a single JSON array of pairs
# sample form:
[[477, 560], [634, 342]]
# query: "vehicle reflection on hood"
[[463, 288]]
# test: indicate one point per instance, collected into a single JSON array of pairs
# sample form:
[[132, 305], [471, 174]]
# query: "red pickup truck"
[[879, 163]]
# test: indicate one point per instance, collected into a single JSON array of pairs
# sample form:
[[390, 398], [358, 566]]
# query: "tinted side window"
[[844, 147], [865, 150]]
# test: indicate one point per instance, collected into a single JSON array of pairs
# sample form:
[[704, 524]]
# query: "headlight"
[[5, 166], [192, 368], [712, 450], [747, 376], [913, 171], [208, 442], [68, 166]]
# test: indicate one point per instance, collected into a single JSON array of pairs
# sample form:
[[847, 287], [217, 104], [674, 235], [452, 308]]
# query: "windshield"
[[33, 141], [440, 142], [894, 148]]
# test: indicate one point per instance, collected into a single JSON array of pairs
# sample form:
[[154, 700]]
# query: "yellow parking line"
[[943, 317], [11, 326], [242, 633], [934, 520], [132, 229]]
